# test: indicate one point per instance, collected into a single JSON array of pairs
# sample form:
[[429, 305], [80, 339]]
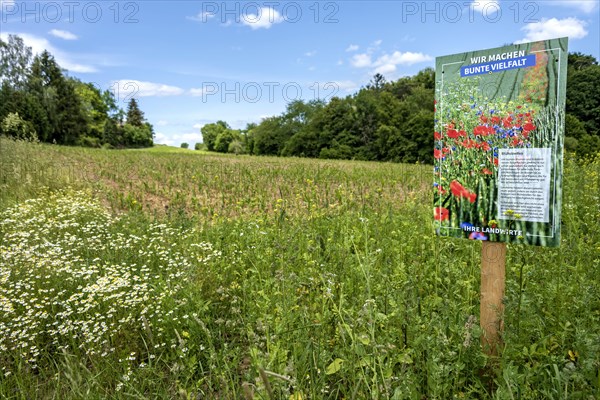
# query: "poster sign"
[[498, 143]]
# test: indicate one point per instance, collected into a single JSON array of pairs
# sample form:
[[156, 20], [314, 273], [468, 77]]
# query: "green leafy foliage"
[[137, 136], [14, 126], [61, 109], [236, 147], [226, 138], [210, 133], [94, 107], [383, 121], [582, 121], [15, 61], [269, 137]]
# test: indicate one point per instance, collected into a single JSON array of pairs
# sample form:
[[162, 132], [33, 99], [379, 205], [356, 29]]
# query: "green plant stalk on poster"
[[499, 133]]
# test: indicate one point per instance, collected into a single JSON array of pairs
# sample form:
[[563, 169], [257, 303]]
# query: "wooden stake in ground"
[[493, 261]]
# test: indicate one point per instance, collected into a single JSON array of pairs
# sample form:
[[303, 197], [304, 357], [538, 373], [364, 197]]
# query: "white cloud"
[[202, 16], [398, 57], [361, 60], [39, 44], [266, 18], [388, 63], [162, 122], [488, 7], [198, 126], [553, 28], [587, 6], [377, 43], [161, 138], [310, 53], [352, 47], [385, 69], [135, 88], [66, 35], [197, 92]]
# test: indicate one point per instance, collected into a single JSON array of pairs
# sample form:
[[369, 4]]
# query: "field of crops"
[[166, 273]]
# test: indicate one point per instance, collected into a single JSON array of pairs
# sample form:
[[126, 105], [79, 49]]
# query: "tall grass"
[[274, 278]]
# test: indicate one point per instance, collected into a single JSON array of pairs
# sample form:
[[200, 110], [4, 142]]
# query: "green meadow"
[[171, 273]]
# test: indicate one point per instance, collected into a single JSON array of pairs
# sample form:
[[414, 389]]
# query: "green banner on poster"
[[499, 134]]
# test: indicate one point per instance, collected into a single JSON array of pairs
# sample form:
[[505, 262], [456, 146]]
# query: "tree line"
[[39, 101], [383, 121], [386, 121], [390, 121]]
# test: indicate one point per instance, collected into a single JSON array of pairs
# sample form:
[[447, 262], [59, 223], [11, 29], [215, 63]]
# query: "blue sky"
[[194, 62]]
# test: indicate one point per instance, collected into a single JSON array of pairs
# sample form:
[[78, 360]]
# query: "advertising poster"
[[498, 143]]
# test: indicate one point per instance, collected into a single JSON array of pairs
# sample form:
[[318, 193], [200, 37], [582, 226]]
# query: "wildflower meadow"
[[169, 273]]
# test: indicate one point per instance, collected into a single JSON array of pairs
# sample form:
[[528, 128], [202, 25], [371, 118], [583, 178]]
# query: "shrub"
[[236, 147], [14, 126]]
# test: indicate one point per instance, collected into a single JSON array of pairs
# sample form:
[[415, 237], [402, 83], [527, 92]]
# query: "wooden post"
[[491, 311]]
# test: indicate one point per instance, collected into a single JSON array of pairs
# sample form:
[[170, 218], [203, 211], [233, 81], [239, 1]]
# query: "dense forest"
[[383, 121], [39, 101], [391, 121]]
